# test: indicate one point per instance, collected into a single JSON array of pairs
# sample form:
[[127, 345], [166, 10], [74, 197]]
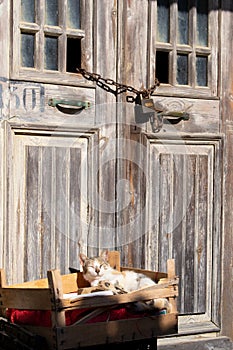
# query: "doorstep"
[[195, 343]]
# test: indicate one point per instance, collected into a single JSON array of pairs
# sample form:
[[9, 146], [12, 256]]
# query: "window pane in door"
[[162, 65], [202, 22], [73, 14], [27, 50], [201, 71], [51, 12], [51, 53], [163, 15], [182, 69], [183, 21], [73, 57], [28, 11]]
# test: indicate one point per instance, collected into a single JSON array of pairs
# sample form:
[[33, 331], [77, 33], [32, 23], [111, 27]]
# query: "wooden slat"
[[82, 283], [2, 284], [74, 203], [46, 219], [21, 298], [119, 331], [204, 194], [56, 290], [32, 238], [164, 290], [102, 234], [171, 272], [46, 332], [2, 278], [131, 219], [155, 276], [42, 283], [69, 283], [114, 259], [61, 197]]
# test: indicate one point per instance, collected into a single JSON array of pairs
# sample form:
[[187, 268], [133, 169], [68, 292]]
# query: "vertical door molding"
[[226, 108]]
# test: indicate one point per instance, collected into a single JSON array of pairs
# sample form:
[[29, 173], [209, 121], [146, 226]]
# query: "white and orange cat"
[[97, 270]]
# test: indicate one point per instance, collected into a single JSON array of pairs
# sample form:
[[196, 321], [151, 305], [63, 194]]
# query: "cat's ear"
[[82, 258], [104, 255]]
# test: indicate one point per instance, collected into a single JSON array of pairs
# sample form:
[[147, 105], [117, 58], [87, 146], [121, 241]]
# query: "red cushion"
[[43, 318]]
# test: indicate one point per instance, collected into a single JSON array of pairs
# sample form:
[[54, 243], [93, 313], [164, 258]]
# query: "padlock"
[[143, 109], [147, 103]]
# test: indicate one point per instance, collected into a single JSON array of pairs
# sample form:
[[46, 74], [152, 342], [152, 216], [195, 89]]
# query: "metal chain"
[[119, 88]]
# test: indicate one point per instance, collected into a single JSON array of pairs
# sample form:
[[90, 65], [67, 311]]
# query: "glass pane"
[[183, 21], [202, 22], [162, 65], [182, 69], [73, 14], [27, 50], [51, 53], [51, 12], [163, 27], [28, 10], [201, 70]]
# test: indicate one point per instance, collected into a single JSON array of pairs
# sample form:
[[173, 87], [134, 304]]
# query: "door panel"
[[47, 200], [184, 218]]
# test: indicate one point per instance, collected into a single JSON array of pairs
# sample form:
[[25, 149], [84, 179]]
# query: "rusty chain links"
[[119, 88], [145, 109]]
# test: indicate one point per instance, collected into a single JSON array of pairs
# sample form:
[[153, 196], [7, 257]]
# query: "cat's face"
[[94, 267]]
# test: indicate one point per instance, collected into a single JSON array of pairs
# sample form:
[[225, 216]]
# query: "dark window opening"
[[162, 64], [73, 55]]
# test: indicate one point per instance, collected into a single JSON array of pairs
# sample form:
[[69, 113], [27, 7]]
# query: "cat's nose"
[[97, 270]]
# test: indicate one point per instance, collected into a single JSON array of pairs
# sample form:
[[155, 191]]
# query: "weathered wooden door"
[[175, 179], [96, 179]]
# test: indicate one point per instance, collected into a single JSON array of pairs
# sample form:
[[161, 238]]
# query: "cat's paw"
[[116, 288], [120, 289], [106, 285]]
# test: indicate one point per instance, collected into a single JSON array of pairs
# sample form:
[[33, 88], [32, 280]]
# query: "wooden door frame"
[[226, 98]]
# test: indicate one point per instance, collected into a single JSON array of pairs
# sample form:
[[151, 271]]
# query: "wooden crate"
[[48, 294]]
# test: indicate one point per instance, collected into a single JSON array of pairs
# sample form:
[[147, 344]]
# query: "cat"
[[97, 270]]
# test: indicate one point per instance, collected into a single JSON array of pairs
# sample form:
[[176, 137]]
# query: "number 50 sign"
[[21, 97]]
